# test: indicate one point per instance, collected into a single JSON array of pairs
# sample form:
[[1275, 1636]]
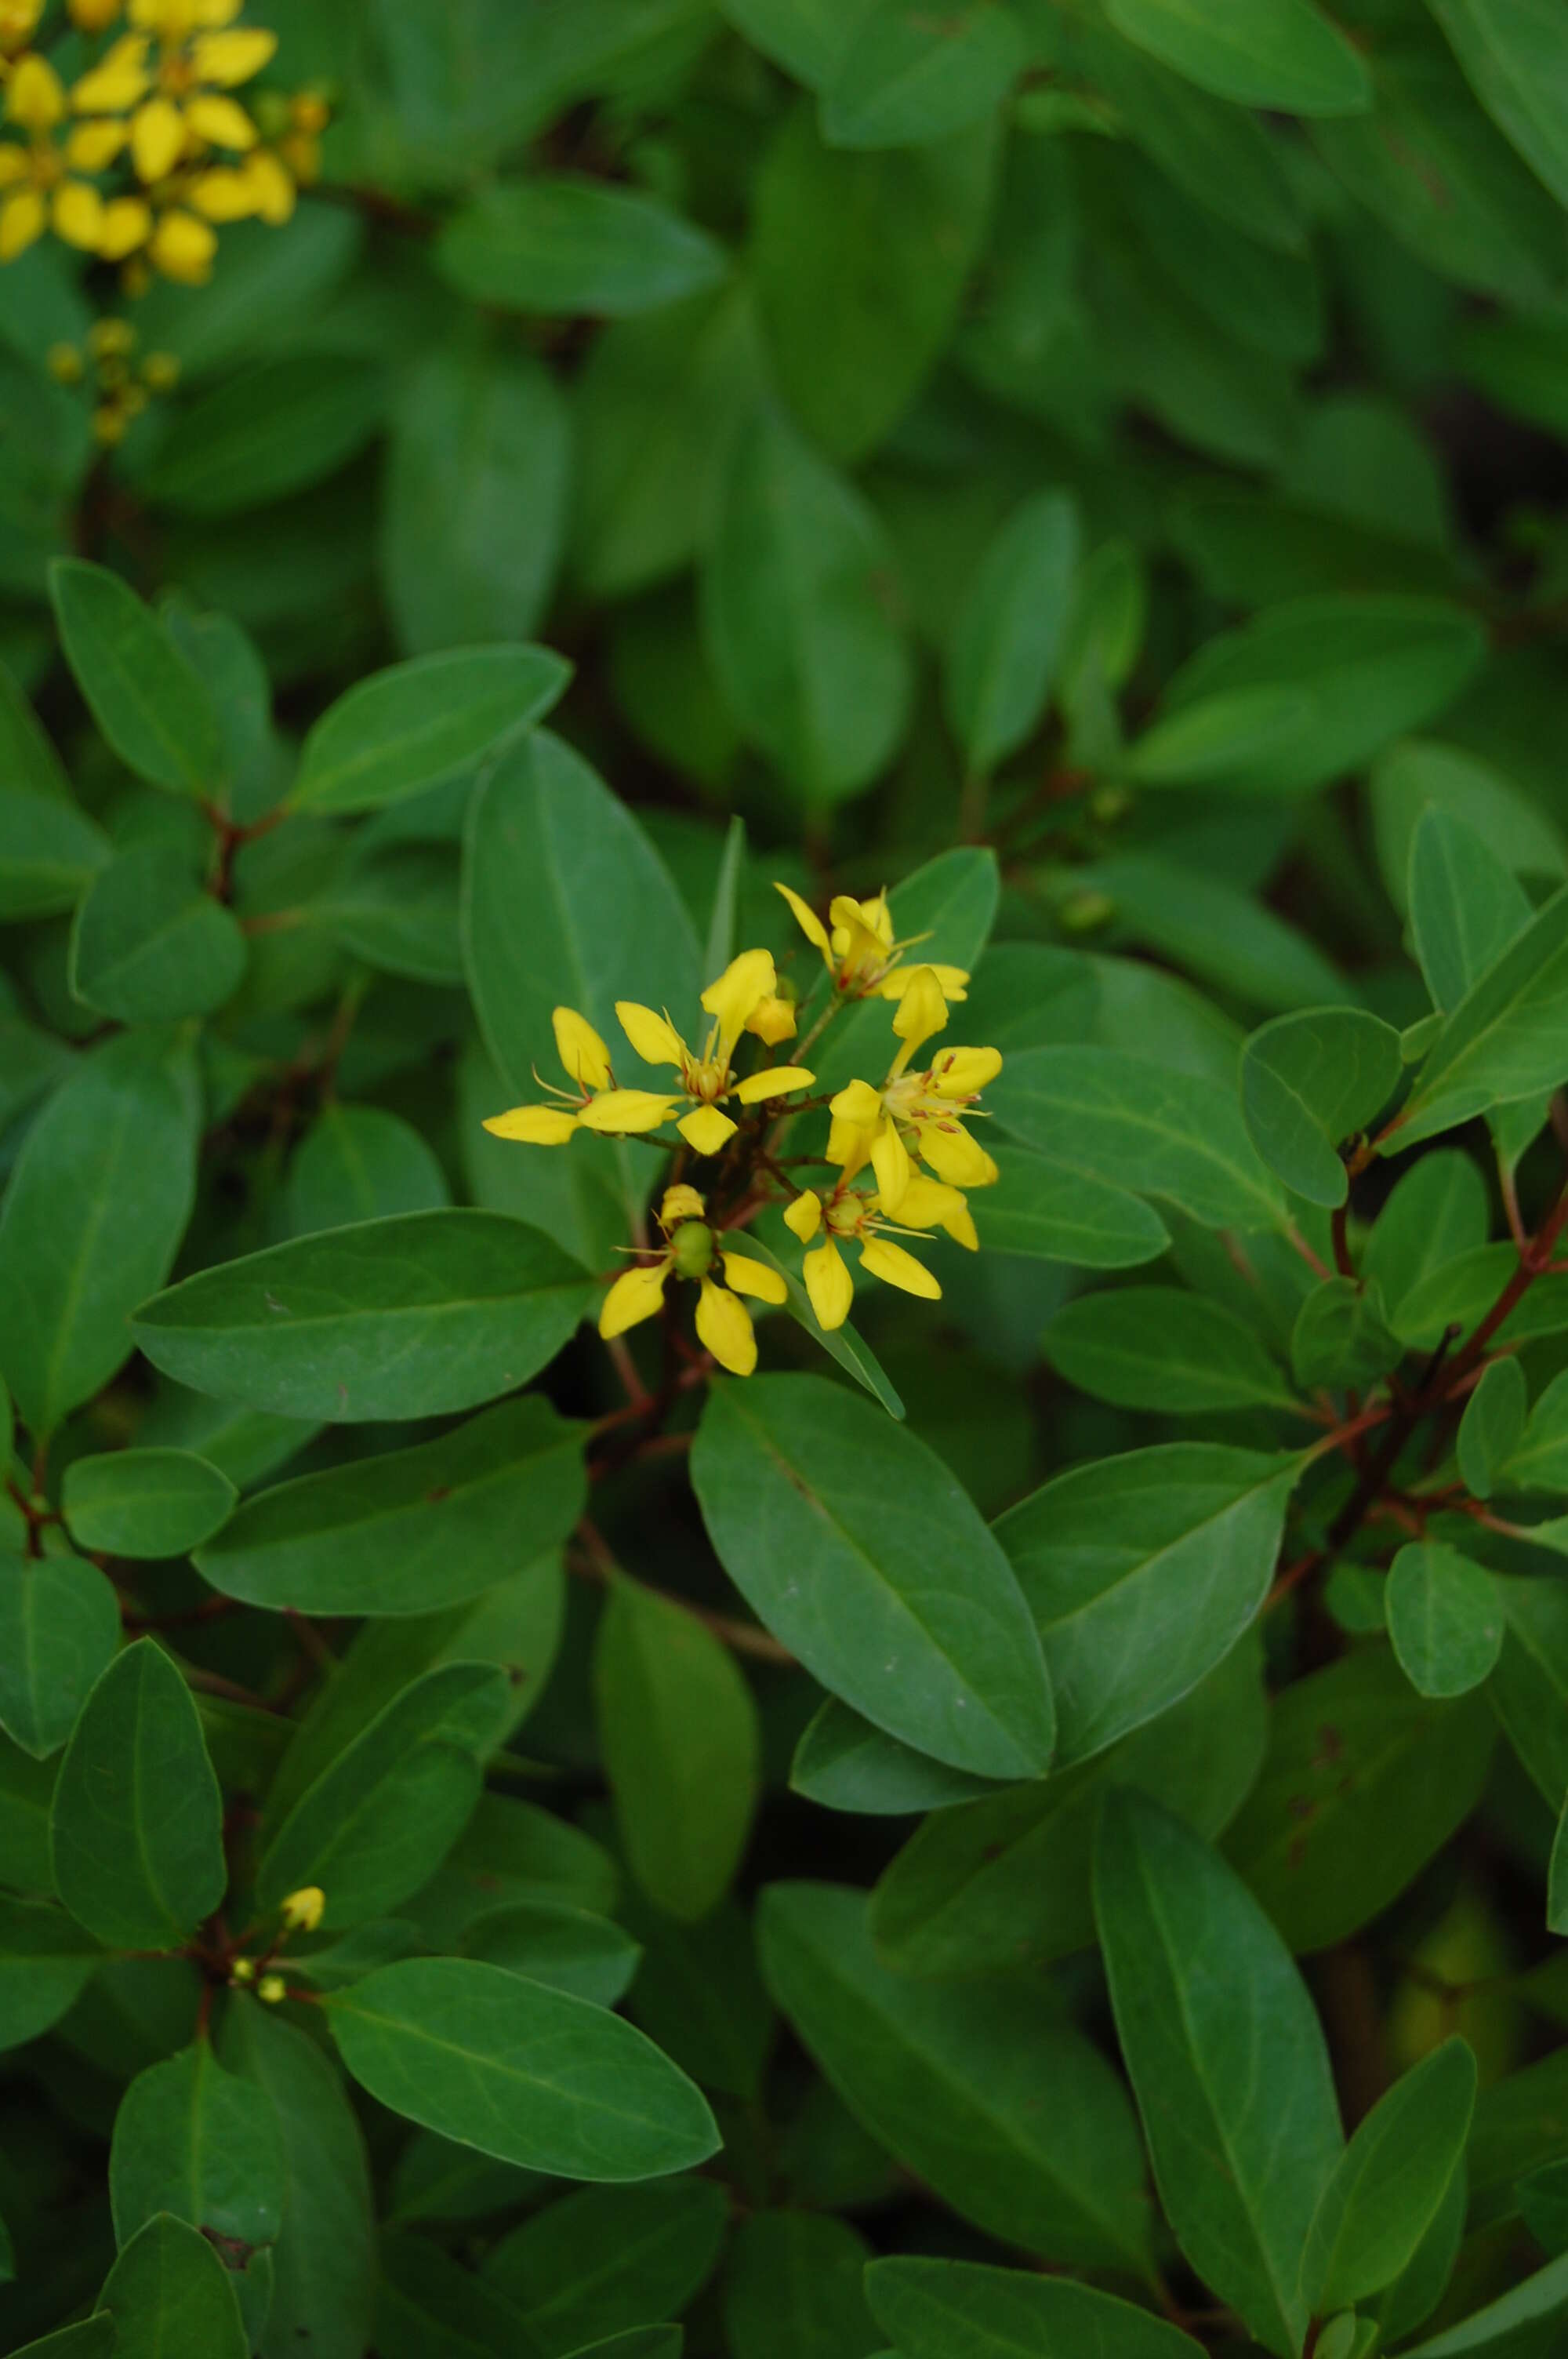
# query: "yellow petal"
[[271, 187], [584, 1057], [536, 1125], [860, 946], [804, 1216], [828, 1283], [960, 1228], [954, 1157], [681, 1204], [889, 1161], [22, 219], [127, 225], [895, 1268], [652, 1036], [775, 1082], [77, 214], [637, 1294], [35, 95], [704, 1129], [625, 1111], [724, 1325], [953, 981], [848, 1144], [754, 1278], [730, 1000], [964, 1072], [922, 1010], [929, 1203], [228, 59], [94, 16], [222, 122], [182, 247], [14, 165], [806, 918], [773, 1020], [117, 82], [157, 138], [93, 146], [859, 1103], [222, 195]]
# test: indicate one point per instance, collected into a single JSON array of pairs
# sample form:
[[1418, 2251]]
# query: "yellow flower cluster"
[[122, 384], [145, 155], [901, 1159]]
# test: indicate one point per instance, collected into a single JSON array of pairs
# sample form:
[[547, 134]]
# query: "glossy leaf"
[[169, 2292], [1504, 1040], [46, 1962], [901, 79], [144, 1503], [135, 1827], [59, 1628], [966, 2310], [409, 1531], [1142, 1572], [1540, 1461], [855, 1546], [1308, 1084], [1492, 1428], [560, 244], [1227, 2062], [1014, 2119], [1010, 630], [846, 1764], [568, 1949], [147, 699], [522, 2072], [404, 731], [1159, 1347], [1515, 56], [195, 2140], [1390, 2182], [1274, 53], [1444, 1618], [414, 1316]]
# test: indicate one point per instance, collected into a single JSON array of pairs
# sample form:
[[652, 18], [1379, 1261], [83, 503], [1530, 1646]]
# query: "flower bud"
[[301, 1911], [272, 1988], [692, 1245]]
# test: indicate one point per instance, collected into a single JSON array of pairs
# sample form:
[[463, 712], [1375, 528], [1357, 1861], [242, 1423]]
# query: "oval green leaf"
[[59, 1630], [150, 704], [150, 944], [422, 723], [556, 243]]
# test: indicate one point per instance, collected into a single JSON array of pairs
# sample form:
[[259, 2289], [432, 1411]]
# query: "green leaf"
[[561, 244], [723, 937], [1008, 632], [91, 2337], [792, 2289], [1142, 1572], [639, 2342], [93, 1219], [46, 1963], [1005, 1880], [595, 2262], [1529, 1686], [1540, 1461], [1503, 2327], [150, 944], [1144, 1126], [1308, 1084], [421, 723], [49, 854], [950, 904], [1390, 2182], [360, 1163], [169, 2292], [568, 1949], [28, 758], [1048, 1211], [277, 427], [1274, 53], [414, 1316], [852, 1542], [1436, 1211], [565, 900], [1443, 1619], [149, 701], [680, 1743], [844, 1343], [195, 2140], [904, 77], [1228, 2060], [1421, 773], [1514, 58], [1013, 2118], [408, 1531], [479, 469], [1465, 905], [512, 1850], [378, 1822], [830, 220], [522, 2072], [426, 2301], [136, 1828], [845, 1763], [963, 2309], [1364, 1781], [1492, 1426], [1342, 1335], [1505, 1040], [797, 615], [324, 2260], [1159, 1347], [59, 1628], [1306, 691], [1216, 932], [25, 1789], [805, 37]]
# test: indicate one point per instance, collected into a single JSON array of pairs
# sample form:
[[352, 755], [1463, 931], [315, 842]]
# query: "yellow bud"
[[109, 336], [64, 364], [271, 1987], [33, 97], [182, 247], [160, 372], [17, 20], [108, 424], [301, 1911], [243, 1970], [681, 1204], [94, 15]]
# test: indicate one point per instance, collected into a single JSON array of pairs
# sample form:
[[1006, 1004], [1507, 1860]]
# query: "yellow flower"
[[19, 22], [863, 959], [301, 1911], [723, 1323], [848, 1215], [598, 1106], [175, 104], [94, 15], [915, 1117], [36, 193], [707, 1080]]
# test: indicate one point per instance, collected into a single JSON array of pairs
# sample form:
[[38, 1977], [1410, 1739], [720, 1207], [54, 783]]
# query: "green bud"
[[692, 1245], [1085, 913]]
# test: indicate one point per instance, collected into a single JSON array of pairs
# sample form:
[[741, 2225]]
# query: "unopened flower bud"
[[272, 1988], [692, 1245], [301, 1911]]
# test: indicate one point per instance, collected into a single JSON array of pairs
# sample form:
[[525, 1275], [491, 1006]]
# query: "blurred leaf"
[[49, 854], [150, 944], [962, 2309], [852, 1542], [1515, 56], [1003, 652], [1308, 1084], [46, 1962], [1492, 1426], [59, 1628], [1540, 1461], [278, 428], [149, 701], [592, 2263], [1272, 53], [557, 243], [196, 2141], [136, 1828], [1421, 773], [792, 2289], [1159, 1347], [519, 2071], [805, 36], [903, 78], [1498, 2328]]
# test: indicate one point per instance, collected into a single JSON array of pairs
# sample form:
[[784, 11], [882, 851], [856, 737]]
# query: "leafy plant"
[[783, 1301]]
